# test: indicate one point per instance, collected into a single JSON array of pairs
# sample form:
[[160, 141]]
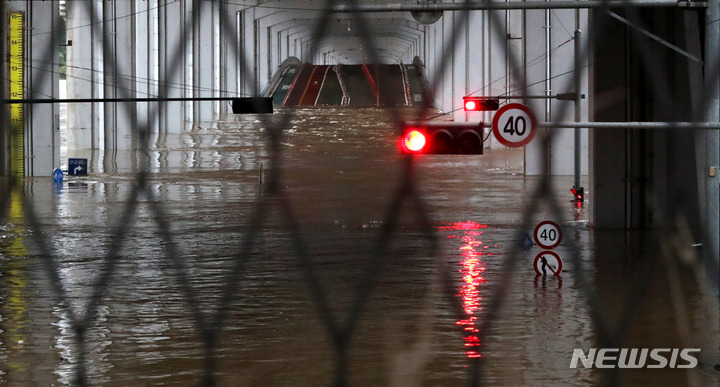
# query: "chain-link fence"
[[276, 200]]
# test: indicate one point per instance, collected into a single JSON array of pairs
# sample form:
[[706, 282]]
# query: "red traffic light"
[[476, 104], [579, 193], [413, 141], [442, 138]]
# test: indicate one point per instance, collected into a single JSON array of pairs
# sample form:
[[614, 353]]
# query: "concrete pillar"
[[284, 48], [119, 68], [143, 62], [42, 136], [439, 75], [711, 186], [294, 34], [472, 80], [429, 59], [305, 54], [278, 42], [206, 66], [97, 89], [84, 77], [172, 64], [447, 72], [498, 80], [125, 67], [229, 46], [249, 81], [536, 32], [265, 47], [461, 66], [563, 73], [641, 178], [607, 149], [188, 35]]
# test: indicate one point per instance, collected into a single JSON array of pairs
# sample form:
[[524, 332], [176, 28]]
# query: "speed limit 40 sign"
[[514, 125], [548, 234]]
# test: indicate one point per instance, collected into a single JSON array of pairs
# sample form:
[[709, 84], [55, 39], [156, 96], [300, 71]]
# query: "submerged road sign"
[[57, 175], [548, 263]]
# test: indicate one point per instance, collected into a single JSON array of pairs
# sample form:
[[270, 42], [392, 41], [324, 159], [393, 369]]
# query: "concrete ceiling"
[[351, 37]]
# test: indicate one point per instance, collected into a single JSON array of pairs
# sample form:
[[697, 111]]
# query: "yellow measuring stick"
[[17, 121]]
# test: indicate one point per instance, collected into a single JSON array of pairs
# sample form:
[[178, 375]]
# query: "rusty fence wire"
[[340, 328]]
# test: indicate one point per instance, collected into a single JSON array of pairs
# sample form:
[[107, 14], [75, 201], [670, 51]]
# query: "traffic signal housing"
[[442, 138], [478, 104], [252, 105], [579, 193]]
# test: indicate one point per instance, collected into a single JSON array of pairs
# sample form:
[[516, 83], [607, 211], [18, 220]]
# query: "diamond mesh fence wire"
[[211, 322]]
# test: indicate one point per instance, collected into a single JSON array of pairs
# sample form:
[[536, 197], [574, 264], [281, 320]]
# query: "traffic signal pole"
[[577, 187], [711, 188], [708, 145]]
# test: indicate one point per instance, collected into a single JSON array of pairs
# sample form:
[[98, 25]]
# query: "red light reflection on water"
[[472, 274]]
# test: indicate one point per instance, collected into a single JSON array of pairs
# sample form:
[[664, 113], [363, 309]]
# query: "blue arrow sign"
[[77, 167]]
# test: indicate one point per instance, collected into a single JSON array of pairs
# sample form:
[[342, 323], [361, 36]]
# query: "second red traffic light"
[[477, 104]]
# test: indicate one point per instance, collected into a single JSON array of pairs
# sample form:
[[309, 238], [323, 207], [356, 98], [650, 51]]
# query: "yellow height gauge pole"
[[17, 122]]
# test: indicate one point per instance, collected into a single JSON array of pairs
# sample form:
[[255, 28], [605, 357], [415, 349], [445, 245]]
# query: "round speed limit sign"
[[548, 234], [514, 125]]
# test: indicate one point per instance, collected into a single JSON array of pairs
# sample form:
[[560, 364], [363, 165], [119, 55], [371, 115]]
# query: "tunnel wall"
[[144, 49], [646, 178]]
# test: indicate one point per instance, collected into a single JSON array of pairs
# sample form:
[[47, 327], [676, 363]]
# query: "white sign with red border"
[[514, 125], [548, 234], [548, 263]]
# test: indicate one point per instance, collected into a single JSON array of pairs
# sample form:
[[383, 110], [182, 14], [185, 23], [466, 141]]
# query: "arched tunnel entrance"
[[359, 85]]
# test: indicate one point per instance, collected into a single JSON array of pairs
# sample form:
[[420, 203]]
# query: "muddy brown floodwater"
[[340, 173]]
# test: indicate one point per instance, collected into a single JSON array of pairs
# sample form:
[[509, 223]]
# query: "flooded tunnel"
[[365, 85], [301, 247]]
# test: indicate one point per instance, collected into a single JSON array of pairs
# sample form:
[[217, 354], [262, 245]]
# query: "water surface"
[[340, 172]]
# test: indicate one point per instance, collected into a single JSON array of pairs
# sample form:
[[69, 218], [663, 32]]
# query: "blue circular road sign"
[[57, 175]]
